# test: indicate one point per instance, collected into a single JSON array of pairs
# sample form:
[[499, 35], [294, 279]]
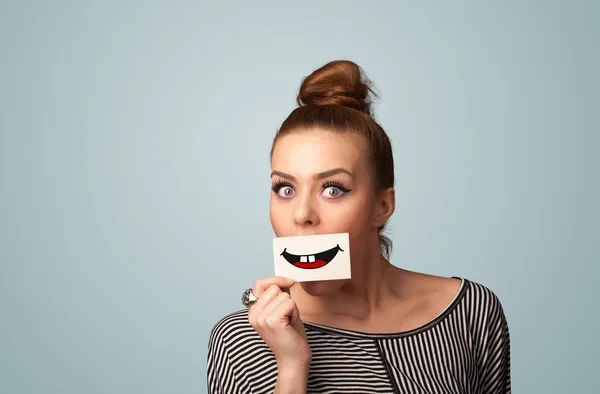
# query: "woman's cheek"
[[280, 221], [352, 216]]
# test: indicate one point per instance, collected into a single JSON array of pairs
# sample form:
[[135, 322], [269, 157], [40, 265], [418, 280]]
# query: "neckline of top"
[[360, 334]]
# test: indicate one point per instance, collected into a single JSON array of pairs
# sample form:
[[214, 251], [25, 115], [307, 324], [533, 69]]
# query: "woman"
[[385, 330]]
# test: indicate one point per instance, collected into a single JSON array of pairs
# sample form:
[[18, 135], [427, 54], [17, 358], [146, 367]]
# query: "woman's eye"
[[286, 192], [332, 192]]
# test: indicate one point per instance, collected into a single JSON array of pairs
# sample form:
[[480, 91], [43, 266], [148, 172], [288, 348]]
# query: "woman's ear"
[[385, 204]]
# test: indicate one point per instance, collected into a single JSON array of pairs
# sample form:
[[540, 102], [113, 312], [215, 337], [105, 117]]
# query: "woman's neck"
[[359, 298]]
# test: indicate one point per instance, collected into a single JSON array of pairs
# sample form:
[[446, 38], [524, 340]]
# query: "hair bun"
[[340, 82]]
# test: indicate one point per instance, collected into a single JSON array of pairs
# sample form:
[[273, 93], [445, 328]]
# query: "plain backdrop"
[[134, 172]]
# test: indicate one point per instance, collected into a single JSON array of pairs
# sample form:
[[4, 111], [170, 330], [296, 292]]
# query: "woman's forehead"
[[304, 154], [318, 150]]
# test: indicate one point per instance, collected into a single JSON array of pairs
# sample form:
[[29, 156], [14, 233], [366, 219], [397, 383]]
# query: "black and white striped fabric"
[[466, 349]]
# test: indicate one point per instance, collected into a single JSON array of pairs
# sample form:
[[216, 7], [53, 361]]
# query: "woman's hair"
[[337, 97]]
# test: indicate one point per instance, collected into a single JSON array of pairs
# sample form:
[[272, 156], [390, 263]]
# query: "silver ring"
[[248, 298]]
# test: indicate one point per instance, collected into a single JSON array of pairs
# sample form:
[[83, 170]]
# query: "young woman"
[[386, 330]]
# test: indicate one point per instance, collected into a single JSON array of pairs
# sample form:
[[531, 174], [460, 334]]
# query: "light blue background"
[[135, 176]]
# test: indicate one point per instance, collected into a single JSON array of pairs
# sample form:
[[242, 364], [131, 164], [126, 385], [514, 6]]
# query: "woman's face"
[[322, 184]]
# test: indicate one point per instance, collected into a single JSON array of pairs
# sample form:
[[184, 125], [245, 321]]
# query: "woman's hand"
[[276, 318]]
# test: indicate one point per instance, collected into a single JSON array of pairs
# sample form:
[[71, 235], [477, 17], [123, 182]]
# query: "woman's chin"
[[321, 287]]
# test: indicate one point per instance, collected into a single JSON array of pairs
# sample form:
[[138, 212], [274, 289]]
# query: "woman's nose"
[[304, 213]]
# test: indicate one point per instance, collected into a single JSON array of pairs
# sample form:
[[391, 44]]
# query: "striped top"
[[465, 349]]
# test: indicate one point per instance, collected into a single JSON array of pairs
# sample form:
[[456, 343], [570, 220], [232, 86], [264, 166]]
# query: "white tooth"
[[311, 259], [303, 259]]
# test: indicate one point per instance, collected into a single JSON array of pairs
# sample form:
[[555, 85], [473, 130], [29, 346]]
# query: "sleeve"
[[220, 373], [495, 361]]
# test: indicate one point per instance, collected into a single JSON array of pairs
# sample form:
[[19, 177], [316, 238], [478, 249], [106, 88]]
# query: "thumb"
[[295, 320]]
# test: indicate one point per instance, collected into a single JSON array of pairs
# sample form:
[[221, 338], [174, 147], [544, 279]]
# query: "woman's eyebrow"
[[320, 175]]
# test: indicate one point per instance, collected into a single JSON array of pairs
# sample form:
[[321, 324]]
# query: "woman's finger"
[[269, 309], [261, 285], [264, 300], [281, 313]]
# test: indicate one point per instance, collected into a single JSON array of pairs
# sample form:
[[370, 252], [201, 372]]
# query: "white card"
[[312, 257]]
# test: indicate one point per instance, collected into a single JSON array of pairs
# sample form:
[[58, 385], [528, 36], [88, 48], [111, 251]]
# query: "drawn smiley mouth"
[[311, 261]]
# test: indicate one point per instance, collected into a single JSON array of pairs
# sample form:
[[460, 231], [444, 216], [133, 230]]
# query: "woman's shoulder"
[[231, 325], [234, 351], [481, 299], [491, 335], [477, 302], [473, 296], [483, 313], [235, 342], [234, 330]]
